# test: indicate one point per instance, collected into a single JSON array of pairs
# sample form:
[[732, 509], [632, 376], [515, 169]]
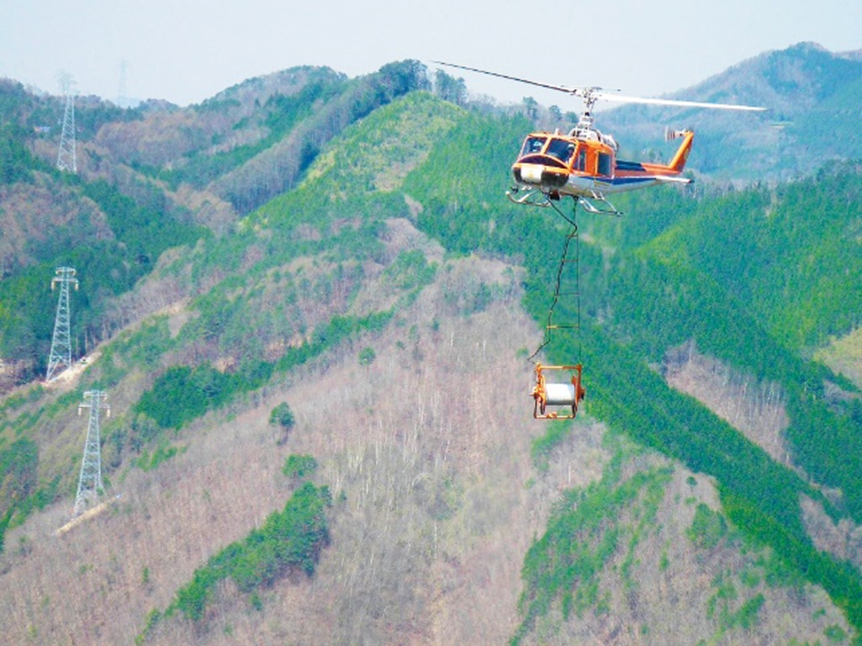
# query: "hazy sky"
[[188, 50]]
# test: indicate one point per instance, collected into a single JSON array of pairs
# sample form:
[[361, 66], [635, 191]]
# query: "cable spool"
[[566, 395], [559, 394]]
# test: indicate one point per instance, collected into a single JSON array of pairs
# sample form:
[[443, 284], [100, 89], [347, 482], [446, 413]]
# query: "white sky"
[[188, 50]]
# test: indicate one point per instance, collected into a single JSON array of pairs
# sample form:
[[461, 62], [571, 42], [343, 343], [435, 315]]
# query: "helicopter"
[[582, 163]]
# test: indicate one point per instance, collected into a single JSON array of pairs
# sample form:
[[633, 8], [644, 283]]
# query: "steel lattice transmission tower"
[[90, 482], [66, 157], [61, 344]]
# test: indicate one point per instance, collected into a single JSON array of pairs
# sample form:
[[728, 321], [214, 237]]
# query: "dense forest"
[[353, 202]]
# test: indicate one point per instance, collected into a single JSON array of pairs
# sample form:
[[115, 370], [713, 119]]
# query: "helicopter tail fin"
[[678, 161]]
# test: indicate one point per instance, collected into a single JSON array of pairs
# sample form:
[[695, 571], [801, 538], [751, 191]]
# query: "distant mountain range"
[[814, 113]]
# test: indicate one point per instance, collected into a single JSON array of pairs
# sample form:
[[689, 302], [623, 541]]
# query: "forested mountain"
[[312, 309]]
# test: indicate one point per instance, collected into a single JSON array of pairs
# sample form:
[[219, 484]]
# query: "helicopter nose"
[[539, 175], [531, 173]]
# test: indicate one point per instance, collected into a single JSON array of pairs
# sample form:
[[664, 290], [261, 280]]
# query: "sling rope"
[[565, 260]]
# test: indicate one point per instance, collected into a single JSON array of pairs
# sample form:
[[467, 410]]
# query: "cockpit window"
[[561, 149], [533, 145]]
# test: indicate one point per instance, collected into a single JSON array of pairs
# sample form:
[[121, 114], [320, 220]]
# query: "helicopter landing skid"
[[529, 197], [598, 204]]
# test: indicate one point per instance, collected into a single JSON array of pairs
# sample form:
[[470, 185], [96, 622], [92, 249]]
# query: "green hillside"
[[790, 254], [373, 272]]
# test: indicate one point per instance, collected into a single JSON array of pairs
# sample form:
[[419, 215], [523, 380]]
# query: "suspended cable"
[[564, 261]]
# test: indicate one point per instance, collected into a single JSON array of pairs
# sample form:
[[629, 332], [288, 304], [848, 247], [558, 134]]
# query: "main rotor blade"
[[620, 98], [591, 94], [559, 88]]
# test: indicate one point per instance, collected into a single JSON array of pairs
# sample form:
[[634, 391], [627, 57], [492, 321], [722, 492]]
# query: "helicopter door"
[[580, 163], [605, 165]]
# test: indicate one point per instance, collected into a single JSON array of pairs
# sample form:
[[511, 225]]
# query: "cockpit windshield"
[[561, 149], [533, 145]]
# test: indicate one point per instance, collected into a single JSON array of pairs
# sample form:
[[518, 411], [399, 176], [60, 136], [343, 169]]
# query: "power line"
[[122, 95]]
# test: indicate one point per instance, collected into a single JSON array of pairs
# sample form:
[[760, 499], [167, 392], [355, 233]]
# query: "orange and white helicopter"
[[582, 163]]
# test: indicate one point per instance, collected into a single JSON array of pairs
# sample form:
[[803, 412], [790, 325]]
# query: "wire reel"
[[566, 395]]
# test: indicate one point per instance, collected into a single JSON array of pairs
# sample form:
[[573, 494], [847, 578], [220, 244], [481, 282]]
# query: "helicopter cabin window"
[[581, 159], [533, 145], [605, 164], [561, 149]]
